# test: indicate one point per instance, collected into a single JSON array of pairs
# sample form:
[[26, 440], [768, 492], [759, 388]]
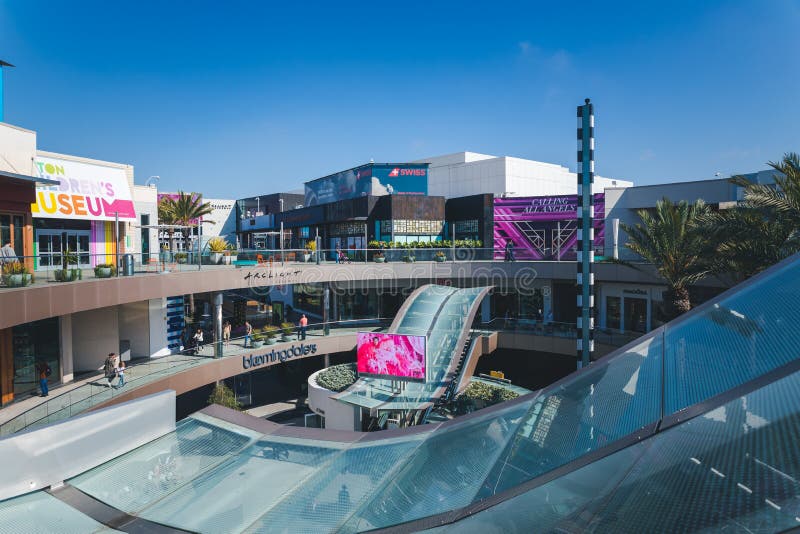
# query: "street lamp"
[[280, 204], [152, 178]]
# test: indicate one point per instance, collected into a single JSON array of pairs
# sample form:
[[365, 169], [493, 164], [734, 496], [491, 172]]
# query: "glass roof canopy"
[[442, 314], [693, 428]]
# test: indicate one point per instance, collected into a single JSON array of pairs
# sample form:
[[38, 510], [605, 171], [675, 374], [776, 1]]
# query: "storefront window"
[[635, 315], [308, 298], [32, 343], [358, 305], [531, 305], [613, 313]]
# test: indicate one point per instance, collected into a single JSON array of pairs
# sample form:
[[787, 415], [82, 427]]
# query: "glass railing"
[[99, 389], [46, 268], [542, 327]]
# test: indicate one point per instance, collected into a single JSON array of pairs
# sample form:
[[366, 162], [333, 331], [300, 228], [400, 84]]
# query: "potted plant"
[[181, 257], [217, 246], [311, 246], [257, 339], [105, 270], [14, 274], [288, 332], [378, 257], [271, 332], [408, 258], [439, 256], [233, 255], [67, 273]]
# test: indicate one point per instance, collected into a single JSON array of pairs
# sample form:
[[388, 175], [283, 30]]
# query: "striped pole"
[[585, 259]]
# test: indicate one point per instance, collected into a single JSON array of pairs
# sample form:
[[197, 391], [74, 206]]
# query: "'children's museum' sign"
[[85, 191]]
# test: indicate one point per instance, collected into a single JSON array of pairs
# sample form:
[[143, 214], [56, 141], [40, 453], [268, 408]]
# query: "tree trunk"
[[677, 302], [170, 237]]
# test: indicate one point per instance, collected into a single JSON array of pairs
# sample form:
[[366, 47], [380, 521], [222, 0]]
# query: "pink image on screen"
[[391, 355]]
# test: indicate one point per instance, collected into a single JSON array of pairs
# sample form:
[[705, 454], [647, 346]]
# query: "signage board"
[[85, 191], [373, 179], [392, 356]]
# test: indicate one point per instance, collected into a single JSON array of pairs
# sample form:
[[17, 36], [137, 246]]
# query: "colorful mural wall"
[[543, 228]]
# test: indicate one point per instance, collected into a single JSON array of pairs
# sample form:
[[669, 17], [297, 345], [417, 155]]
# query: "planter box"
[[440, 259], [215, 257], [180, 260], [258, 344], [103, 272], [15, 280], [68, 275], [272, 340], [290, 337], [306, 258], [379, 260]]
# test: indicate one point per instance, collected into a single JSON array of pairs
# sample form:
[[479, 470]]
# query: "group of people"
[[113, 368]]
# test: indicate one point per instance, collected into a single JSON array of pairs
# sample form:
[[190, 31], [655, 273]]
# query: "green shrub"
[[287, 328], [105, 266], [338, 377], [271, 331], [223, 395], [488, 393]]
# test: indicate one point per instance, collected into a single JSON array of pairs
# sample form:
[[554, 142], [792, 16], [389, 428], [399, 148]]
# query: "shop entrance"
[[53, 244]]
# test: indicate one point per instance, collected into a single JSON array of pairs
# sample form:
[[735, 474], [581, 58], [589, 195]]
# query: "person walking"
[[110, 367], [198, 339], [248, 331], [303, 326], [121, 374], [44, 371], [226, 333], [509, 250], [338, 253]]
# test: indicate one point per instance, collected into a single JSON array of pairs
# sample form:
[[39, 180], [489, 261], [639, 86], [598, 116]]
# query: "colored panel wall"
[[543, 228]]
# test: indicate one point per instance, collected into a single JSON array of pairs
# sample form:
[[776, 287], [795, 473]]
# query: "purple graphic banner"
[[543, 228]]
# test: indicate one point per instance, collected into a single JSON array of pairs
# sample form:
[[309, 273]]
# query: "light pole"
[[152, 178]]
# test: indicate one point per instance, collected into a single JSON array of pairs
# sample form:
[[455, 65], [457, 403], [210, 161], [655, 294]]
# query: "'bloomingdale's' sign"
[[278, 355]]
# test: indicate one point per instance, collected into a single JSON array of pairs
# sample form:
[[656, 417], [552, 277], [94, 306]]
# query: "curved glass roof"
[[693, 428]]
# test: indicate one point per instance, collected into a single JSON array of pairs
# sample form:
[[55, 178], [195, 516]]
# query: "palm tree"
[[166, 216], [188, 210], [765, 227], [670, 239]]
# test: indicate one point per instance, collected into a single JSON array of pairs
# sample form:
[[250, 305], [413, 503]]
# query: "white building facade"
[[469, 173]]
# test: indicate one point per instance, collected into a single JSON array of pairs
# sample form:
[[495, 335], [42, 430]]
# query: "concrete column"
[[327, 361], [65, 344], [218, 325]]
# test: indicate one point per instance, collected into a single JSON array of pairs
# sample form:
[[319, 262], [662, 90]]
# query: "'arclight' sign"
[[278, 355]]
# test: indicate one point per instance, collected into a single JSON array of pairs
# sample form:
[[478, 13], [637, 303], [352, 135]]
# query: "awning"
[[32, 180]]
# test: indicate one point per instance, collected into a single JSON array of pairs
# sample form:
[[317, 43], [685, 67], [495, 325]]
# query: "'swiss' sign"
[[295, 351], [84, 191], [397, 171]]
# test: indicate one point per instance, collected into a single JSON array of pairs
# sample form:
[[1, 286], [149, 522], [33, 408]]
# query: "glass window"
[[19, 240], [32, 343], [635, 315], [5, 229], [613, 312]]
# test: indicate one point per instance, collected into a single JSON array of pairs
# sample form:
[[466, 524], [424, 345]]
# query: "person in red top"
[[43, 370], [303, 325]]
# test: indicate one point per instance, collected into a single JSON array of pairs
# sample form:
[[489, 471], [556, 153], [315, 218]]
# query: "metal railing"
[[63, 267], [99, 389], [543, 327]]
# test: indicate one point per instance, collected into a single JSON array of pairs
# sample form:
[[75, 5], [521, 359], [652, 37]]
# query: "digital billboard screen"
[[392, 356]]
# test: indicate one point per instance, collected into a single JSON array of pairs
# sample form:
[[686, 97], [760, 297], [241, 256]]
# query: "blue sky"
[[238, 98]]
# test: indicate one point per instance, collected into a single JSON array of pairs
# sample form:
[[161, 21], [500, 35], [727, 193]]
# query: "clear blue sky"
[[238, 98]]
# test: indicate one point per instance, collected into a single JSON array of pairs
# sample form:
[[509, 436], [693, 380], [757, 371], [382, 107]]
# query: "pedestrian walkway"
[[82, 394]]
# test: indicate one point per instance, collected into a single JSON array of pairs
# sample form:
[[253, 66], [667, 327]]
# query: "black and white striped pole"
[[585, 258]]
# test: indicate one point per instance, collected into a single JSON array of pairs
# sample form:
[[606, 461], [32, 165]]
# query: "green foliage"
[[671, 237], [105, 266], [257, 335], [181, 256], [223, 395], [287, 328], [764, 228], [488, 393], [270, 331], [338, 377]]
